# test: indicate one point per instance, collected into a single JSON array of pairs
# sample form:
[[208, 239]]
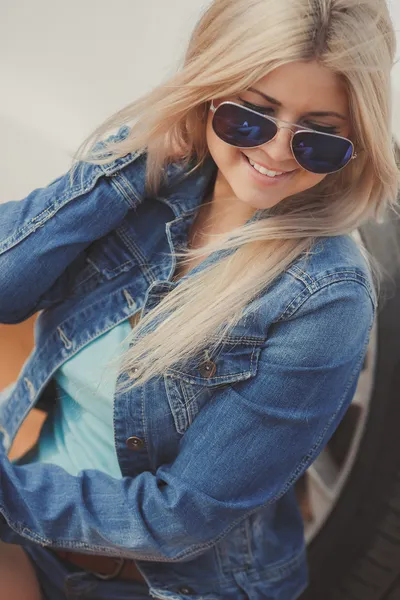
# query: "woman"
[[186, 398]]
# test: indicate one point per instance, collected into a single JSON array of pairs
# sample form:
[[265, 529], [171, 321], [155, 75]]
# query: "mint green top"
[[79, 435]]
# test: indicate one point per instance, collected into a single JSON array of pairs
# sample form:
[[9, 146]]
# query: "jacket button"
[[132, 372], [134, 443], [185, 590], [207, 368]]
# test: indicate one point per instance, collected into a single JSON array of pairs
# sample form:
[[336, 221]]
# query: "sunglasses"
[[314, 151]]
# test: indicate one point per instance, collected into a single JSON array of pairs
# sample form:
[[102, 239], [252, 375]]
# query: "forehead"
[[305, 87]]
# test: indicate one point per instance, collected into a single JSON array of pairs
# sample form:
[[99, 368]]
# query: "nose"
[[279, 148]]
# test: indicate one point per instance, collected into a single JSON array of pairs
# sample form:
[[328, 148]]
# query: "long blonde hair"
[[234, 44]]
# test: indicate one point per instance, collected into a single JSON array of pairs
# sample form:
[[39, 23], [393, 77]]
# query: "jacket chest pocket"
[[114, 254], [102, 261], [192, 387]]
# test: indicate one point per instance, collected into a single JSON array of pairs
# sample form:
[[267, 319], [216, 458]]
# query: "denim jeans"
[[61, 581]]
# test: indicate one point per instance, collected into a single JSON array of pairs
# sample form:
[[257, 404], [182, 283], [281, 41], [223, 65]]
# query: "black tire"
[[356, 554]]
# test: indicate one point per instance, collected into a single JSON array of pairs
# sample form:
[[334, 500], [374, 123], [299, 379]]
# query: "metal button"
[[134, 443], [207, 368], [133, 372], [185, 590]]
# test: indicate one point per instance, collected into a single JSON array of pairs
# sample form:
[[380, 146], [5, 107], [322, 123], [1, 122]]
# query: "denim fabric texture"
[[61, 581], [206, 504]]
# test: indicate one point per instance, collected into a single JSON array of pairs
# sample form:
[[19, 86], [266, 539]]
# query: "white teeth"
[[263, 170]]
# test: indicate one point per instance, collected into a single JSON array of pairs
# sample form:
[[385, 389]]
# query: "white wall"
[[394, 6], [66, 66]]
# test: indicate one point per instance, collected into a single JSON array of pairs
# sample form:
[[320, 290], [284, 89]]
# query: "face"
[[295, 93]]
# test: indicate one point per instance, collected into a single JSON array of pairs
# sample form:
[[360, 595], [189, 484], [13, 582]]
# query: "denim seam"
[[297, 302], [192, 400], [24, 531], [122, 267], [117, 179], [179, 414], [301, 275], [114, 166], [143, 418], [241, 374], [138, 254], [30, 227], [188, 402], [105, 272], [236, 340], [89, 306], [333, 274], [90, 276]]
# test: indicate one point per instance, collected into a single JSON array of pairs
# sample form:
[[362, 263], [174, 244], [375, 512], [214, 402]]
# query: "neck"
[[222, 211]]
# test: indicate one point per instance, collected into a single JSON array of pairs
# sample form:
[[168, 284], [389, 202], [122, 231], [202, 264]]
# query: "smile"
[[265, 171], [267, 176]]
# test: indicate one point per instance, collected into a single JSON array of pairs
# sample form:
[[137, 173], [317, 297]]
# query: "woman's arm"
[[42, 234], [242, 452]]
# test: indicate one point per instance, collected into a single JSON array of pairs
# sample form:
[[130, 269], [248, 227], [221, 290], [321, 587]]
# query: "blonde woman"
[[204, 311]]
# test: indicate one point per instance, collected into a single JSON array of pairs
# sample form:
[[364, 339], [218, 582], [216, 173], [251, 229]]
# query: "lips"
[[266, 181]]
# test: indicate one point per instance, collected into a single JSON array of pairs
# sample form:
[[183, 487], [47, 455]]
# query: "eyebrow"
[[309, 114]]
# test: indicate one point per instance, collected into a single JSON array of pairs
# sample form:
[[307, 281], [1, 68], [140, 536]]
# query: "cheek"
[[306, 180]]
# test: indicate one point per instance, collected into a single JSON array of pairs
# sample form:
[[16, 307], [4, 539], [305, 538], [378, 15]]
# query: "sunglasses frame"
[[277, 122]]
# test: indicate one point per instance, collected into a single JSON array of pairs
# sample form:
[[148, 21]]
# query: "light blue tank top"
[[79, 435]]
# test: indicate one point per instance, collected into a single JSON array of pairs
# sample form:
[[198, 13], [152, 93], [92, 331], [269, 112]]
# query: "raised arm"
[[41, 235]]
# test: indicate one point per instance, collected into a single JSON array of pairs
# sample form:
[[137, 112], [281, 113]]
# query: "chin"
[[259, 201]]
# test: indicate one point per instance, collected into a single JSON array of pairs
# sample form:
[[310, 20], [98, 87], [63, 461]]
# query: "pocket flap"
[[230, 363]]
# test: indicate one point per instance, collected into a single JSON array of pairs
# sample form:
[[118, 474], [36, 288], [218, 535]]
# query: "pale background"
[[66, 66]]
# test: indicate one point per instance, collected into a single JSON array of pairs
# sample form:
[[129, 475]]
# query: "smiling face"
[[304, 93]]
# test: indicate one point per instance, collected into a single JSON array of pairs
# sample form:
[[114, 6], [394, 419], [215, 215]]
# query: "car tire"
[[356, 553]]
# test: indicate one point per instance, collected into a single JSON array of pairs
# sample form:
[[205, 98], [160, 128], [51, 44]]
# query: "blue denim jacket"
[[206, 505]]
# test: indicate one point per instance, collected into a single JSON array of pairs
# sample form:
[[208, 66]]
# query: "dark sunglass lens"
[[240, 127], [321, 153]]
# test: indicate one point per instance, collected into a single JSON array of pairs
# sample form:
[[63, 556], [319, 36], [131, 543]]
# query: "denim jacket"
[[209, 457]]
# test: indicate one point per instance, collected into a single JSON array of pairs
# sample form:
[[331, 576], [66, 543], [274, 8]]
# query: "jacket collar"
[[183, 190]]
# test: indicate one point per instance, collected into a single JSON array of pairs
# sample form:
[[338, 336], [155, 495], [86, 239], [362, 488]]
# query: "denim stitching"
[[191, 552], [173, 390], [123, 184], [137, 253], [115, 181], [47, 213], [301, 276], [302, 297]]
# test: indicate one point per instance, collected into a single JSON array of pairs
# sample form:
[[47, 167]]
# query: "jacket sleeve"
[[242, 452], [42, 234]]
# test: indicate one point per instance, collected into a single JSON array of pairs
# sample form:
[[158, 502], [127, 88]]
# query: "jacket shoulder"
[[333, 259]]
